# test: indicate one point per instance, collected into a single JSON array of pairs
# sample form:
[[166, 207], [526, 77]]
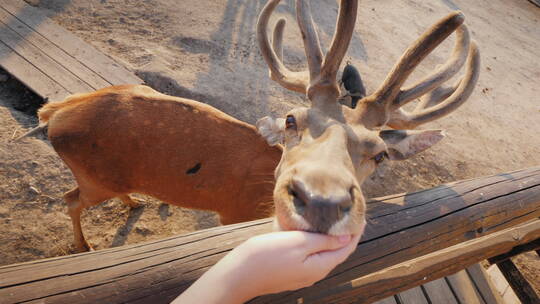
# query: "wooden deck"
[[48, 59], [469, 286]]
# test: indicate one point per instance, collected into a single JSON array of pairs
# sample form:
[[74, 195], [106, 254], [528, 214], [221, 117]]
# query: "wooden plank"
[[463, 288], [29, 75], [509, 297], [158, 271], [484, 285], [534, 245], [86, 54], [412, 296], [438, 291], [389, 300], [57, 54], [497, 279], [42, 62], [476, 291], [517, 281]]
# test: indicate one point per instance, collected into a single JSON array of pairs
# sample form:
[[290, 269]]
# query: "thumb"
[[316, 242]]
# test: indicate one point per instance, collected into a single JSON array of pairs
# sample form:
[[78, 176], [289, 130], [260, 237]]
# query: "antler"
[[319, 83], [388, 99], [295, 81], [457, 95]]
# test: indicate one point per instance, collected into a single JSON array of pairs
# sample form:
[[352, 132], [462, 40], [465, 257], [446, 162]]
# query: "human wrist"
[[232, 278]]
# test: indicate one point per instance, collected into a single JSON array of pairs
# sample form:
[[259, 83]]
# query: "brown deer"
[[133, 139], [329, 149]]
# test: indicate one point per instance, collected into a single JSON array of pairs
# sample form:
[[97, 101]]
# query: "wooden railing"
[[410, 239]]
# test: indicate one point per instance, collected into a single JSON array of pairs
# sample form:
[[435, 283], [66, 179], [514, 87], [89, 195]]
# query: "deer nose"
[[321, 212]]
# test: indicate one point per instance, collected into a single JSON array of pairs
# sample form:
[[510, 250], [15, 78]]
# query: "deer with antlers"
[[330, 149]]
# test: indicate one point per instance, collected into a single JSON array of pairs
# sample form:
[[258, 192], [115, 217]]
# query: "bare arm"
[[270, 263]]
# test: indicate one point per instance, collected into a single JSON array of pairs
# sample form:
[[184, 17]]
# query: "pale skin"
[[270, 263]]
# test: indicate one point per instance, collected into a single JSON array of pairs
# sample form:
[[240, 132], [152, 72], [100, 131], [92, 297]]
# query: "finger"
[[328, 260], [316, 242]]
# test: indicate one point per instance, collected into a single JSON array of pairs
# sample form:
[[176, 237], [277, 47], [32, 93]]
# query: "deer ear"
[[403, 144], [271, 129]]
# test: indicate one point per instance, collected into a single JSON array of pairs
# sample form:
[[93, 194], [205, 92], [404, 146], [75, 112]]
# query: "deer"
[[132, 139], [329, 149]]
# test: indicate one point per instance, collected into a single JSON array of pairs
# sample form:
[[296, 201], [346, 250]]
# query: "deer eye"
[[380, 157], [290, 123]]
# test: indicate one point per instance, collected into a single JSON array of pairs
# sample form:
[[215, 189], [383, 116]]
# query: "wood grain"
[[484, 285], [463, 288]]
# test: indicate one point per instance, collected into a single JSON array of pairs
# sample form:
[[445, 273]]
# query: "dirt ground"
[[206, 50]]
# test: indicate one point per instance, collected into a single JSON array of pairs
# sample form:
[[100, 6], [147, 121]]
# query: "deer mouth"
[[318, 215]]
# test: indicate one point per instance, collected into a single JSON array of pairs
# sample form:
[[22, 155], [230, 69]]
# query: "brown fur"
[[132, 139]]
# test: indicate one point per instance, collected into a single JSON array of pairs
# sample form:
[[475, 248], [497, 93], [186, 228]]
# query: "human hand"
[[289, 260], [270, 263]]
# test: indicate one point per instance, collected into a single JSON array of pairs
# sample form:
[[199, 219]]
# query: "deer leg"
[[129, 201], [75, 207]]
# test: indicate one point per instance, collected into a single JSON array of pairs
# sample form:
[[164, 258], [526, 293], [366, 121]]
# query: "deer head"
[[330, 149]]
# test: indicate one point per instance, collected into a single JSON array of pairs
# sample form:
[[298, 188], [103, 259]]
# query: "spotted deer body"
[[132, 139]]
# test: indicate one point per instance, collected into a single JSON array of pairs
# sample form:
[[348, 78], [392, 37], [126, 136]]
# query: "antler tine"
[[401, 119], [312, 46], [442, 74], [390, 89], [295, 81], [277, 38], [435, 97], [342, 37]]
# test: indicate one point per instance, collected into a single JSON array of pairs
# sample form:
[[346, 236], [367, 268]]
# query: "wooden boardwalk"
[[50, 60]]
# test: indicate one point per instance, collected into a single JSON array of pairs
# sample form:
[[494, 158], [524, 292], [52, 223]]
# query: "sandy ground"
[[207, 50]]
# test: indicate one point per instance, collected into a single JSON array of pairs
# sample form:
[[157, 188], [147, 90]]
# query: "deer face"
[[330, 149], [324, 163]]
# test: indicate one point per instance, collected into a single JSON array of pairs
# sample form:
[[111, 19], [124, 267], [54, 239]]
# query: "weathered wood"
[[400, 228], [462, 288], [49, 60], [389, 300], [517, 281], [51, 50], [413, 295], [426, 268], [483, 284], [438, 291], [41, 61], [501, 285], [534, 245], [72, 44], [29, 75]]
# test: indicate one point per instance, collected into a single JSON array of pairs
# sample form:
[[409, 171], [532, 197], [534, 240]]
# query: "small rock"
[[142, 230], [34, 190]]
